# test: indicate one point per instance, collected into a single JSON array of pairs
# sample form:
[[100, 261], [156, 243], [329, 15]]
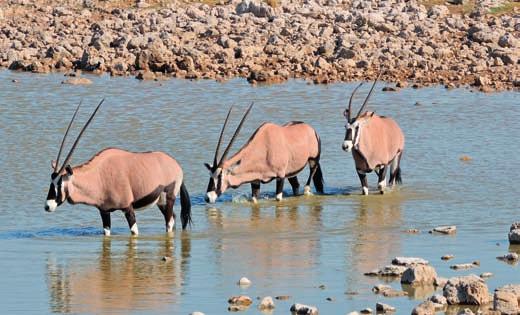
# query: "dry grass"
[[509, 7]]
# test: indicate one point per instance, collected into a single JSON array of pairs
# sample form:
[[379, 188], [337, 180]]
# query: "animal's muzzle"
[[211, 197], [347, 145], [50, 205]]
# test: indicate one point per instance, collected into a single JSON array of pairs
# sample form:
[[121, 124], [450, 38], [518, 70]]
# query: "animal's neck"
[[82, 188]]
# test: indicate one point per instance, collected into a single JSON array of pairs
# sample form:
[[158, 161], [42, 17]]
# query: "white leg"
[[106, 231], [279, 197], [134, 229], [365, 190], [307, 190], [254, 200], [170, 225]]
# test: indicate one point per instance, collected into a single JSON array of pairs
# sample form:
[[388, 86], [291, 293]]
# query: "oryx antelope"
[[272, 152], [376, 143], [116, 179]]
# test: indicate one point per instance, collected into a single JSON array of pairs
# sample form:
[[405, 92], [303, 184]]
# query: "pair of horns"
[[69, 155], [349, 112], [226, 151]]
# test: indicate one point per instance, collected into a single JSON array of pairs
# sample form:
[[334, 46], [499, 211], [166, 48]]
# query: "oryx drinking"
[[376, 142], [116, 179], [272, 152]]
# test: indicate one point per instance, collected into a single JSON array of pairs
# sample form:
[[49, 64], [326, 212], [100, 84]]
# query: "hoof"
[[307, 191], [134, 230], [106, 232], [364, 191], [382, 192], [254, 200], [279, 197]]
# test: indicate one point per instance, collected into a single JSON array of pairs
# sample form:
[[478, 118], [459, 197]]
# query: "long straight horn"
[[215, 159], [56, 165], [349, 114], [223, 158], [368, 96], [67, 159]]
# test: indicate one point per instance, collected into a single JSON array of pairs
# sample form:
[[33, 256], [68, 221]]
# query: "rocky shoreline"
[[320, 40]]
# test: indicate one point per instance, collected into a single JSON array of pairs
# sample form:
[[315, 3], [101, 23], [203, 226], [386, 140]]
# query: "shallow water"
[[60, 262]]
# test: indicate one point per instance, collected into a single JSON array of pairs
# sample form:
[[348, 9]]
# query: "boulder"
[[387, 271], [387, 291], [511, 257], [507, 299], [419, 275], [451, 229], [257, 8], [244, 282], [77, 81], [471, 290]]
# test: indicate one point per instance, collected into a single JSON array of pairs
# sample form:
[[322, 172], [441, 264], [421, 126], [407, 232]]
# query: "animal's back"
[[382, 140]]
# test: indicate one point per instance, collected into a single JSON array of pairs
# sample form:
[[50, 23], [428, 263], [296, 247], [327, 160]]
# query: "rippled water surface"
[[60, 262]]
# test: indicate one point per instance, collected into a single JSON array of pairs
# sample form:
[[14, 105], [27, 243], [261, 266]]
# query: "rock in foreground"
[[470, 290], [507, 299], [267, 303], [514, 233], [419, 275]]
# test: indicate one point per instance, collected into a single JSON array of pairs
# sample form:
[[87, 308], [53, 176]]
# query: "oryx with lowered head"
[[116, 179], [376, 142], [272, 152]]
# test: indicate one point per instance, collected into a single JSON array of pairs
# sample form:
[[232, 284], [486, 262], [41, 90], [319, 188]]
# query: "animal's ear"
[[207, 166], [345, 113], [232, 167], [69, 170], [372, 114], [53, 164]]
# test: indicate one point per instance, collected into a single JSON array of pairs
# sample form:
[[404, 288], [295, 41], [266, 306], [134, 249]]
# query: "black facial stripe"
[[348, 136], [219, 183], [211, 185]]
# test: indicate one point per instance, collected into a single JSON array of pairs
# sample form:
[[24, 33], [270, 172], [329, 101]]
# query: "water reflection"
[[130, 276], [275, 238], [372, 247]]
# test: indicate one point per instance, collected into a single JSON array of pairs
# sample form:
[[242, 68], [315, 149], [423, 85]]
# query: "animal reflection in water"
[[285, 241], [373, 246], [122, 280]]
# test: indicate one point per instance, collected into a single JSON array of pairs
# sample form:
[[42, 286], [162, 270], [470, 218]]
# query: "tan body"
[[272, 152], [116, 179], [381, 140]]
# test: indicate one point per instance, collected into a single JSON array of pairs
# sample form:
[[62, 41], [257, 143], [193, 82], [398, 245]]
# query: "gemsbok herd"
[[116, 179]]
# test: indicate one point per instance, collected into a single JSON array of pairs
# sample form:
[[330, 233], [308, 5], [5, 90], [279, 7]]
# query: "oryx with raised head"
[[272, 152], [376, 142], [116, 179]]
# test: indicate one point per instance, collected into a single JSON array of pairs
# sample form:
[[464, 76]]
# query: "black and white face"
[[57, 194], [216, 185], [351, 135]]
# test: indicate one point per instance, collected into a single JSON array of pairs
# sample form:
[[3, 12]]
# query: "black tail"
[[318, 179], [185, 207], [398, 179]]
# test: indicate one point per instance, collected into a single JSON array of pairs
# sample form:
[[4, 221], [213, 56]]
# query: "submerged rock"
[[447, 257], [425, 308], [486, 275], [470, 290], [302, 309], [388, 291], [465, 311], [464, 266], [387, 271], [419, 275], [452, 229], [514, 233], [77, 81], [241, 300], [282, 297], [384, 308], [267, 303], [367, 310], [409, 261], [511, 257]]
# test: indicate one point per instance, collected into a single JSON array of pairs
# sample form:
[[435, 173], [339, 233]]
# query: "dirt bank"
[[324, 40]]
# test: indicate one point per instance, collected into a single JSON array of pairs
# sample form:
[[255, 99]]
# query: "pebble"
[[486, 275], [77, 81], [447, 257], [197, 313], [412, 231], [367, 310], [240, 300], [244, 282], [409, 261], [282, 297], [166, 258], [465, 266]]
